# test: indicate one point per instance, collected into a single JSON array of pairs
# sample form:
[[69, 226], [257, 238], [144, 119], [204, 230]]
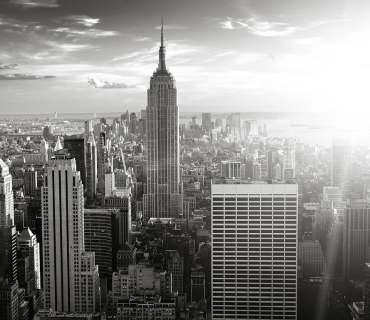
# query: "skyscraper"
[[206, 121], [91, 168], [30, 181], [28, 244], [254, 250], [8, 253], [163, 198], [311, 257], [356, 239], [272, 161], [6, 196], [76, 149], [289, 159], [101, 160], [341, 166], [322, 223], [101, 232], [71, 279]]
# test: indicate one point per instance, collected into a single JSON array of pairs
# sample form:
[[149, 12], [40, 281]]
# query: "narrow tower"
[[163, 198]]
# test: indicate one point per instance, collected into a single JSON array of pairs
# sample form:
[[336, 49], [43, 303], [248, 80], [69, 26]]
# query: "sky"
[[234, 55]]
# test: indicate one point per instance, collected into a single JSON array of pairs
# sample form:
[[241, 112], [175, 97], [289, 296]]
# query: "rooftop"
[[248, 181]]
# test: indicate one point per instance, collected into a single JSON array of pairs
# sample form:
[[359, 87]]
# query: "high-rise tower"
[[163, 198], [91, 168], [254, 250], [71, 279], [341, 167], [6, 196], [289, 159], [356, 239]]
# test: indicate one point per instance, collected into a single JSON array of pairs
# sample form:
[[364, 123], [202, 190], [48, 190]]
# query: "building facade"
[[356, 239], [206, 121], [341, 167], [289, 159], [28, 244], [6, 196], [254, 250], [70, 276], [101, 233], [91, 168]]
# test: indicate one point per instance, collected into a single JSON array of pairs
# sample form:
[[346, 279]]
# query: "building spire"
[[162, 33], [162, 55]]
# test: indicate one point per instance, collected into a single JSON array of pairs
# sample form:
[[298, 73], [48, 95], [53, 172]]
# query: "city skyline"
[[238, 209], [252, 56]]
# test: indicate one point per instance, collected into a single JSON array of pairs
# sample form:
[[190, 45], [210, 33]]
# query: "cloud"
[[103, 84], [308, 41], [227, 24], [87, 33], [172, 27], [79, 20], [314, 24], [141, 39], [7, 66], [260, 28], [36, 3], [23, 76]]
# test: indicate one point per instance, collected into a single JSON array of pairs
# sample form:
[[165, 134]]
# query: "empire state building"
[[163, 198]]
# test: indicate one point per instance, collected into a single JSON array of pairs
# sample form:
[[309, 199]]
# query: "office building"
[[88, 127], [9, 303], [123, 203], [322, 222], [231, 169], [126, 255], [164, 195], [289, 159], [233, 120], [91, 169], [311, 257], [48, 133], [198, 284], [254, 250], [140, 279], [76, 149], [273, 159], [28, 245], [102, 159], [356, 239], [30, 181], [206, 121], [70, 276], [153, 307], [141, 128], [6, 196], [175, 265], [367, 292], [334, 194], [133, 123], [101, 232], [250, 128], [341, 167], [8, 253]]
